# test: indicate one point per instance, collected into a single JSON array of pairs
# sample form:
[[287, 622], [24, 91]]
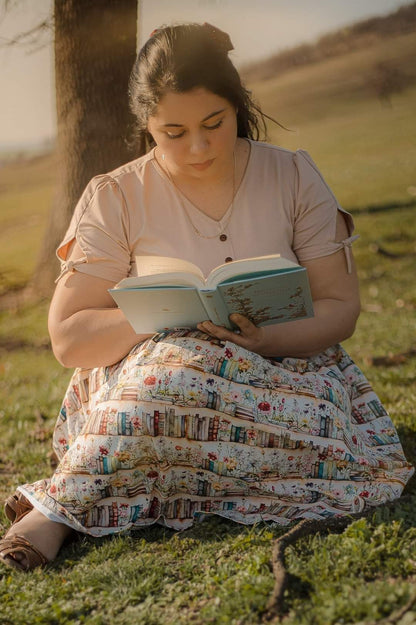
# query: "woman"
[[271, 423]]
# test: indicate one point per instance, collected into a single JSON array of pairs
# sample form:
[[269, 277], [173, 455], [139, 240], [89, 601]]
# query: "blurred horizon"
[[263, 28]]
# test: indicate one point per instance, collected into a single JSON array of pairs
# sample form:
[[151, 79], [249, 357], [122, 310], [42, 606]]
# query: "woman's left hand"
[[249, 336]]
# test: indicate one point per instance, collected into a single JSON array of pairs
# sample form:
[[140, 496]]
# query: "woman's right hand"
[[86, 328]]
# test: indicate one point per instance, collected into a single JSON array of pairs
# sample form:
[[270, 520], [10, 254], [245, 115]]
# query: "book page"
[[273, 262], [160, 280], [151, 265]]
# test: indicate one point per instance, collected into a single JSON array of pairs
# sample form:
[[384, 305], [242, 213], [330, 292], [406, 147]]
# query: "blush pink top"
[[282, 205]]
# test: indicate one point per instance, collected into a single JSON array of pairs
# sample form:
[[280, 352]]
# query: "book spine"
[[211, 429], [215, 428], [205, 431], [171, 422], [162, 421]]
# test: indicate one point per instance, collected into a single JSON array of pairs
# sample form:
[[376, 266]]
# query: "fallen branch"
[[275, 606], [392, 359], [397, 615], [275, 609]]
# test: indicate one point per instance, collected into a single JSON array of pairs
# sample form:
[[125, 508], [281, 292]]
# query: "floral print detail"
[[186, 425]]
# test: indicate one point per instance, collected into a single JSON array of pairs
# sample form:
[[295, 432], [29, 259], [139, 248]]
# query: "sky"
[[258, 28]]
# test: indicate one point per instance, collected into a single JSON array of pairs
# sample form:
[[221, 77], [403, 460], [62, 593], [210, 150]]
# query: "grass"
[[219, 572], [366, 150], [26, 191]]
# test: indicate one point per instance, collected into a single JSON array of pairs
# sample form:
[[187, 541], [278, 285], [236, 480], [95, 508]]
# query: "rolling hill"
[[354, 111]]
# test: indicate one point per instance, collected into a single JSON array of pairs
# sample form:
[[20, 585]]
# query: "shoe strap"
[[19, 544]]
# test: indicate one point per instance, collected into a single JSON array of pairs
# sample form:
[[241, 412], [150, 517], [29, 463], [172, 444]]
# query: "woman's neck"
[[213, 195]]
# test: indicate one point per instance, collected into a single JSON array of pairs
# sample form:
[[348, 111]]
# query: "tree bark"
[[95, 48]]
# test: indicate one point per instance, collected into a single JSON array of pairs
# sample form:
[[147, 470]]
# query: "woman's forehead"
[[197, 104]]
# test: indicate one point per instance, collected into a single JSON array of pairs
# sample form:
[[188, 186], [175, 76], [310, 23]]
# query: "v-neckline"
[[193, 206]]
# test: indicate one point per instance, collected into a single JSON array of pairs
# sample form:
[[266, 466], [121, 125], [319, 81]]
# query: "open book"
[[172, 293]]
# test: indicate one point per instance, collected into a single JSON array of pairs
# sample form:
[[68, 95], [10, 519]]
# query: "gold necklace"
[[219, 234]]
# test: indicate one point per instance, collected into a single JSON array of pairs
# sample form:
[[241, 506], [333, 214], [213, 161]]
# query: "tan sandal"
[[17, 506], [9, 547]]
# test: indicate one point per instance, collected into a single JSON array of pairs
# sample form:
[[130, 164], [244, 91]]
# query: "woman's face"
[[196, 131]]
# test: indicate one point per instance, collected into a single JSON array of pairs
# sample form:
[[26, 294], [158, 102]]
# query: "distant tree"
[[95, 48], [387, 80]]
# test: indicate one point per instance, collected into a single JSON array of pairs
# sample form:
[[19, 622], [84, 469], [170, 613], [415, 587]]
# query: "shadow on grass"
[[216, 529], [10, 344], [407, 437], [217, 543], [381, 208], [213, 529]]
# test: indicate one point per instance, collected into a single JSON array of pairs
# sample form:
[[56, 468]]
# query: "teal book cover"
[[271, 298], [267, 290]]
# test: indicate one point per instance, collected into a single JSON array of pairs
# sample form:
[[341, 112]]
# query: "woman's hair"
[[184, 57]]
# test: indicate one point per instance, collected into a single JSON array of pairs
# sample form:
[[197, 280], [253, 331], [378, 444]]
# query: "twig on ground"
[[392, 360], [275, 606], [396, 616], [275, 609]]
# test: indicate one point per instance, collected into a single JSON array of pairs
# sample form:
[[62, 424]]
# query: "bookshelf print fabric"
[[185, 425]]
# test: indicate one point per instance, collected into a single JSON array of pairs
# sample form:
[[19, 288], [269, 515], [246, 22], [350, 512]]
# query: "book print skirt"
[[186, 425]]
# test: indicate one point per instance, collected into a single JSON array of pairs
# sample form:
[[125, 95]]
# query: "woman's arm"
[[86, 328], [335, 294]]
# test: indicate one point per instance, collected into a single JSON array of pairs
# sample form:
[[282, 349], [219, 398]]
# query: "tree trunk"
[[95, 48]]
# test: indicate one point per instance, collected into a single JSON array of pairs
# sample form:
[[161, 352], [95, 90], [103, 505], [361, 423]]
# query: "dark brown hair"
[[184, 57]]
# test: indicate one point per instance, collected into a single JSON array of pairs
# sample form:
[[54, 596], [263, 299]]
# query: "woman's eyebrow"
[[213, 115], [204, 120]]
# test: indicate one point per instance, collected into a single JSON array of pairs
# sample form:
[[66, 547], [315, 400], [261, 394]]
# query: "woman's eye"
[[172, 136], [217, 125], [181, 134]]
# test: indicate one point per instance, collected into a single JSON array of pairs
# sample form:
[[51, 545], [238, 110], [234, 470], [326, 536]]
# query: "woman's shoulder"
[[271, 152], [129, 173], [298, 161], [133, 169], [110, 190]]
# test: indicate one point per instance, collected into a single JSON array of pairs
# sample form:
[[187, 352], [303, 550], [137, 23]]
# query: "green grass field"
[[26, 192], [366, 150], [218, 572]]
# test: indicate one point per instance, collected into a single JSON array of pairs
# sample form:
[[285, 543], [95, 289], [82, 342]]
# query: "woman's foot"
[[16, 506], [44, 535]]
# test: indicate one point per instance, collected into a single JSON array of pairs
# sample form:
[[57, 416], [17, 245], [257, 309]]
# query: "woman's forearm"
[[93, 338], [333, 322]]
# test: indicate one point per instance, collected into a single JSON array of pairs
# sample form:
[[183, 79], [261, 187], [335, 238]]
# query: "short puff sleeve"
[[100, 225], [316, 210]]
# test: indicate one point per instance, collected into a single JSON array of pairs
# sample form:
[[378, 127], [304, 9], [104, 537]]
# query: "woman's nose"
[[199, 143]]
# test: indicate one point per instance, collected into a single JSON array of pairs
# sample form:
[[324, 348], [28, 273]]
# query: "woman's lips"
[[202, 166]]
